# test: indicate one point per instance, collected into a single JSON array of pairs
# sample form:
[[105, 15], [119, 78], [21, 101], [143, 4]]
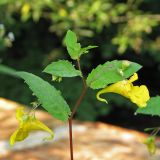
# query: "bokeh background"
[[32, 36]]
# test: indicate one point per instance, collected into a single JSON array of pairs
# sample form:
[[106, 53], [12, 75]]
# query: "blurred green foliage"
[[128, 20], [121, 28], [6, 39]]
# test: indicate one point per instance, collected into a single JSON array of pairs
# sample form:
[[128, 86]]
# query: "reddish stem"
[[70, 120], [79, 67], [78, 102], [74, 111], [70, 138]]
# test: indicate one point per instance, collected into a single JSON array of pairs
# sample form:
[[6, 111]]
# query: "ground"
[[92, 141]]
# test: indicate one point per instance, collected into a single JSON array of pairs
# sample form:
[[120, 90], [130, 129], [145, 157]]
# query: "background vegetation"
[[32, 32]]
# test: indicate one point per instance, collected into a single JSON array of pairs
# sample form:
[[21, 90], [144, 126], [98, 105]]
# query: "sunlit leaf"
[[48, 96], [62, 68], [86, 49], [111, 72], [152, 108], [73, 47]]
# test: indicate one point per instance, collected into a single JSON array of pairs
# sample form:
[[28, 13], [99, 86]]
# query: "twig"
[[79, 67], [78, 102], [70, 138], [74, 111]]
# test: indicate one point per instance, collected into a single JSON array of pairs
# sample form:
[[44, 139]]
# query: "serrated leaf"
[[62, 68], [85, 49], [152, 108], [48, 96], [110, 72], [73, 47]]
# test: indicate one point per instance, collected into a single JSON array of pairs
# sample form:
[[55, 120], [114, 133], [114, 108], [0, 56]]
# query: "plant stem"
[[74, 111], [70, 120], [78, 102], [70, 138], [79, 67]]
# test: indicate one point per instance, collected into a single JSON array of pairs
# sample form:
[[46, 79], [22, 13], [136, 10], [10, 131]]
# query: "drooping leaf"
[[85, 49], [73, 47], [48, 96], [7, 70], [62, 68], [111, 72], [152, 108]]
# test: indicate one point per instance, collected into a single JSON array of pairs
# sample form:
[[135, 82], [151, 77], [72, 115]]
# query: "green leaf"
[[111, 72], [62, 68], [48, 96], [7, 70], [85, 49], [73, 47], [152, 108], [3, 2]]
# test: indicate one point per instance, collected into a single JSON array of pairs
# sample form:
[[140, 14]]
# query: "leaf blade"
[[73, 47], [85, 49], [62, 68], [109, 73], [49, 97], [7, 70], [152, 108]]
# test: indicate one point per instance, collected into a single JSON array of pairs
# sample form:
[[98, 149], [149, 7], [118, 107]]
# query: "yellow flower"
[[137, 94], [62, 12], [25, 9], [150, 143], [28, 123]]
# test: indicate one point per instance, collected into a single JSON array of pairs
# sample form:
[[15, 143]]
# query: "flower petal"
[[121, 87], [28, 123], [20, 114], [139, 95], [133, 78], [19, 135], [40, 126], [13, 138], [150, 143]]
